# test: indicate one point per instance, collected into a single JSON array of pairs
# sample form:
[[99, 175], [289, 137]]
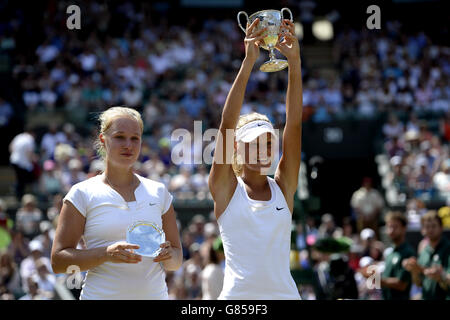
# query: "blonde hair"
[[106, 119], [243, 120], [430, 216]]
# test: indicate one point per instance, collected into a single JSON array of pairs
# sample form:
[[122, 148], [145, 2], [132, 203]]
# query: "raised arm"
[[222, 180], [289, 165]]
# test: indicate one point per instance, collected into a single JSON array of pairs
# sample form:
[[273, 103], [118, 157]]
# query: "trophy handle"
[[239, 22], [288, 10]]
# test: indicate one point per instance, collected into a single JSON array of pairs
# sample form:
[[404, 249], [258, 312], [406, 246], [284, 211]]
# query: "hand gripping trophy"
[[272, 20]]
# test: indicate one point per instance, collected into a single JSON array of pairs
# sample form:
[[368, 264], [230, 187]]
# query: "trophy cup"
[[272, 20]]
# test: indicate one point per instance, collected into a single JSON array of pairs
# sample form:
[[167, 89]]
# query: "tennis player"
[[101, 208], [254, 211]]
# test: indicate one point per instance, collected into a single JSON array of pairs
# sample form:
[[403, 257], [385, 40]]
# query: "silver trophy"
[[272, 20]]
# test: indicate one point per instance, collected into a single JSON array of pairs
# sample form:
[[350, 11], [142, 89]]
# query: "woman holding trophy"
[[107, 209], [254, 211]]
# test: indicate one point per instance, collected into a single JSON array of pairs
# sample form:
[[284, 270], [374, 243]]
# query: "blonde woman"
[[254, 212], [101, 208]]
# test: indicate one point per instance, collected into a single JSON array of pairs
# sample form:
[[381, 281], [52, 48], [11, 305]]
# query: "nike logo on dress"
[[278, 209]]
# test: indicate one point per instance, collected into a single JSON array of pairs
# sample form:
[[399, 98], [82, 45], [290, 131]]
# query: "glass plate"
[[148, 236]]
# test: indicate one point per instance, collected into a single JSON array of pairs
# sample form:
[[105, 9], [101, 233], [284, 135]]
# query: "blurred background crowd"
[[177, 71]]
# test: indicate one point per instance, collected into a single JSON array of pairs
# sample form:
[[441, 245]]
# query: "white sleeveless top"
[[256, 238], [108, 216]]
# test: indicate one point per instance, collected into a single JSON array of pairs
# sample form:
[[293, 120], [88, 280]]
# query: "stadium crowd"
[[175, 75]]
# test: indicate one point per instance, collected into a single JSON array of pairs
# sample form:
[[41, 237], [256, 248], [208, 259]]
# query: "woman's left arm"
[[171, 255], [288, 168]]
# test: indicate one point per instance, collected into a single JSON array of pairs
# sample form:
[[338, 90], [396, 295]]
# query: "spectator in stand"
[[197, 228], [28, 216], [22, 158], [32, 289], [95, 168], [200, 180], [28, 267], [191, 272], [6, 112], [441, 180], [193, 282], [393, 128], [368, 237], [50, 140], [397, 176], [376, 251], [50, 180], [47, 233], [395, 147], [371, 250], [312, 231], [413, 123], [187, 239], [367, 204], [424, 131], [348, 229], [18, 248], [74, 175], [181, 183], [132, 96], [328, 227], [444, 127], [212, 274], [45, 280], [210, 233], [430, 270], [300, 239], [421, 179], [54, 210], [72, 136], [195, 258], [4, 218], [9, 274]]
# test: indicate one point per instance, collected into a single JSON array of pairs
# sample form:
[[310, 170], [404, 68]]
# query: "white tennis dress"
[[107, 217], [256, 238]]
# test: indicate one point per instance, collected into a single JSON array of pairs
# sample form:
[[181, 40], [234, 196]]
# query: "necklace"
[[109, 182]]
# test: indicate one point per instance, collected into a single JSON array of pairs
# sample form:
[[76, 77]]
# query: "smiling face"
[[258, 153], [122, 141]]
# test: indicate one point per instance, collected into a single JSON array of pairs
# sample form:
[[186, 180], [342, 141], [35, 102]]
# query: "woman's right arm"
[[68, 233], [222, 180]]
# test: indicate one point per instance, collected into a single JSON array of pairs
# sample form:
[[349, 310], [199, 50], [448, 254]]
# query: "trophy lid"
[[260, 11]]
